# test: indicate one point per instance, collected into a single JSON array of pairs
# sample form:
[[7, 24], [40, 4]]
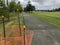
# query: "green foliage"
[[58, 9], [3, 10], [18, 6], [12, 6], [29, 7], [1, 3]]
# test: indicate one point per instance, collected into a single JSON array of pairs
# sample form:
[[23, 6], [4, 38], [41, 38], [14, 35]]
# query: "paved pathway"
[[44, 33]]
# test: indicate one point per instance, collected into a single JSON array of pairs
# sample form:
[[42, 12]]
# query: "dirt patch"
[[9, 23], [16, 39]]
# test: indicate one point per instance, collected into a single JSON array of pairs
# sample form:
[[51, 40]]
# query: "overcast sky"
[[42, 4]]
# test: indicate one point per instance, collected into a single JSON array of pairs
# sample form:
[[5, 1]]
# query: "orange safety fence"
[[16, 39]]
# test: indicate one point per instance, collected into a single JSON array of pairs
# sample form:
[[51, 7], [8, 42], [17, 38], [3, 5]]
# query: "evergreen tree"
[[29, 7]]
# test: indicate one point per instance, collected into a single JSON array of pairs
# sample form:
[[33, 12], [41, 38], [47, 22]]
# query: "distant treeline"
[[53, 10], [57, 9]]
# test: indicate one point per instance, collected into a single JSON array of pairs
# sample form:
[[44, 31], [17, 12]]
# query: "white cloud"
[[42, 4]]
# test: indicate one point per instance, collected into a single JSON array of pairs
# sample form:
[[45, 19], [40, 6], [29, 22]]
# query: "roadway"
[[44, 33]]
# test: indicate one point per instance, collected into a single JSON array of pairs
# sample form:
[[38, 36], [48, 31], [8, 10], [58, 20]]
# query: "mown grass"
[[50, 17]]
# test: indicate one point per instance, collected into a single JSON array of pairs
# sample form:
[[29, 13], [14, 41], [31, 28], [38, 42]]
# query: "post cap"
[[2, 16], [24, 27]]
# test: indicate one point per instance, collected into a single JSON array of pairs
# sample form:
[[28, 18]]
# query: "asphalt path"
[[44, 33]]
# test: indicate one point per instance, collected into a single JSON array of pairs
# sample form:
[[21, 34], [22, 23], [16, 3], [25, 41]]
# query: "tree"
[[29, 7], [12, 6], [1, 3], [18, 6], [58, 9], [3, 9]]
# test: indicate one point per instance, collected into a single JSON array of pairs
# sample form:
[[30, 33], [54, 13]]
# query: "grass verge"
[[50, 17]]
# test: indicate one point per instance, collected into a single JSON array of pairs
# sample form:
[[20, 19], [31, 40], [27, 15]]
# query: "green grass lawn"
[[50, 17]]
